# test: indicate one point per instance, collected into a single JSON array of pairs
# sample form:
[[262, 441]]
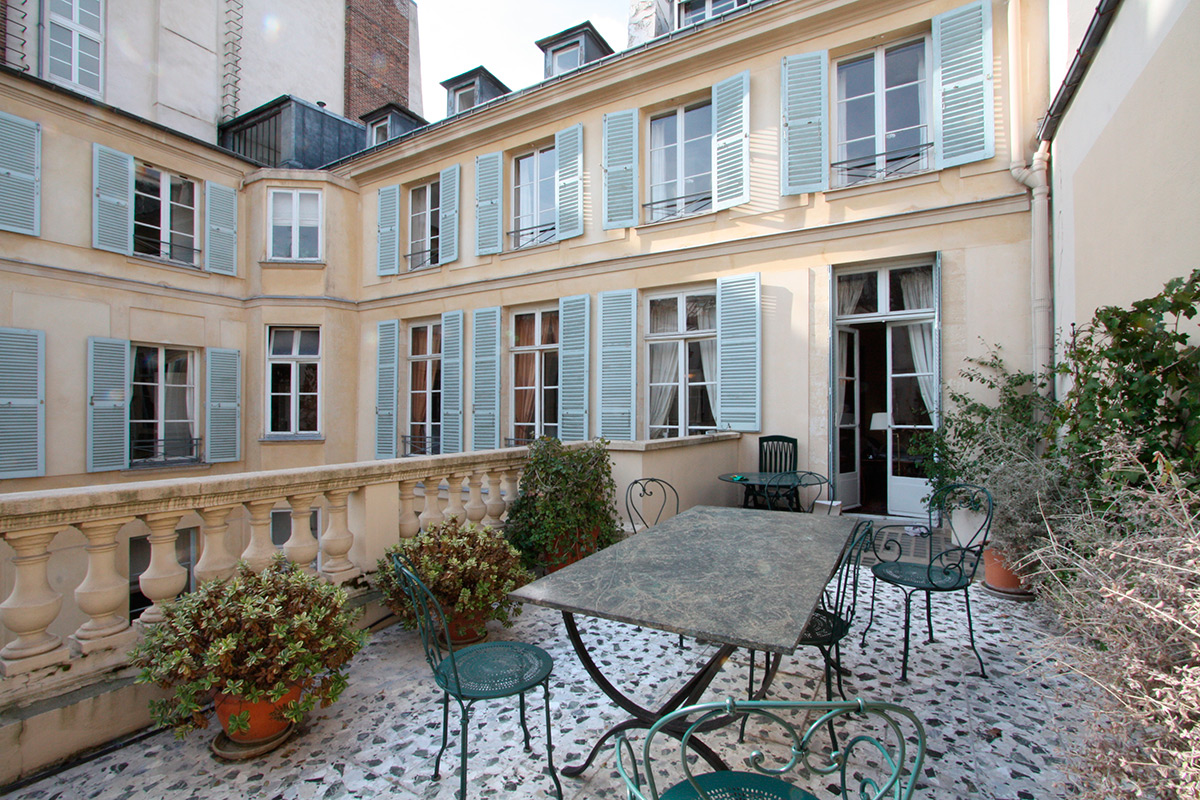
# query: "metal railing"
[[533, 235], [168, 251], [155, 452], [420, 446], [419, 259], [682, 206], [901, 161]]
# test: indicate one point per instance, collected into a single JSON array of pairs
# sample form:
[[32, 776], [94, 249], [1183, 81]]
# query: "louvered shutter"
[[108, 404], [568, 211], [22, 403], [804, 129], [223, 403], [20, 175], [485, 379], [112, 200], [620, 162], [574, 336], [618, 363], [731, 141], [387, 259], [739, 353], [452, 382], [220, 220], [489, 228], [962, 85], [387, 368], [450, 179]]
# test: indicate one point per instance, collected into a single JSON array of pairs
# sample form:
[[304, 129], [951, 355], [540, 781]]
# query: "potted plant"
[[263, 647], [564, 510], [469, 568]]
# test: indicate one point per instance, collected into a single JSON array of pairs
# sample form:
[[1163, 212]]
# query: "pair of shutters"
[[108, 404], [963, 125], [389, 220], [568, 188], [112, 212], [730, 154], [20, 175]]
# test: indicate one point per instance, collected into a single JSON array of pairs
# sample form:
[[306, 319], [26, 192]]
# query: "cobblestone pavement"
[[998, 738]]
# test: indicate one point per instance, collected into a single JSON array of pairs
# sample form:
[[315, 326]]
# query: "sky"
[[458, 35]]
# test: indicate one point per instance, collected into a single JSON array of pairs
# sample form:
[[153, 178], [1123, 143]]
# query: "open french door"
[[848, 405], [912, 398]]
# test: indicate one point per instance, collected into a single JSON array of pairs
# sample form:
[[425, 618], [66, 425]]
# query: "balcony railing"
[[889, 164], [420, 259], [420, 446], [682, 206], [533, 235], [156, 452]]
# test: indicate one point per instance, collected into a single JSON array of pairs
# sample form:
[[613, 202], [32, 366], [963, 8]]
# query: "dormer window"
[[378, 133], [689, 12], [565, 59], [464, 98]]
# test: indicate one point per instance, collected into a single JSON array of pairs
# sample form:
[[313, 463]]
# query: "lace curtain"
[[849, 290], [917, 288]]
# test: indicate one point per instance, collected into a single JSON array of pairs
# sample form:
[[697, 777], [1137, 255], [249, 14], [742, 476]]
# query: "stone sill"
[[647, 445]]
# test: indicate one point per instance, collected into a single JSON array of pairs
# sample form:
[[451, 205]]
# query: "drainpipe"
[[1037, 178]]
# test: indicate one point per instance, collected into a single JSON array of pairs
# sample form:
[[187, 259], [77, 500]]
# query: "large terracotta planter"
[[265, 724], [565, 553], [465, 629], [1001, 580]]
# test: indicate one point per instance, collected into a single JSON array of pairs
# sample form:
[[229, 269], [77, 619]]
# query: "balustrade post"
[[454, 501], [432, 514], [337, 540], [511, 487], [301, 547], [410, 524], [495, 501], [215, 561], [164, 578], [103, 593], [31, 607], [260, 550], [475, 509]]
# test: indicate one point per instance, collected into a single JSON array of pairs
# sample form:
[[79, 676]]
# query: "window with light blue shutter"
[[220, 220], [962, 84], [739, 353], [223, 405], [22, 403], [387, 261], [451, 178], [489, 229], [731, 141], [620, 161], [574, 339], [568, 148], [452, 382], [20, 175], [804, 128], [485, 379], [618, 363], [107, 404], [387, 368], [112, 200]]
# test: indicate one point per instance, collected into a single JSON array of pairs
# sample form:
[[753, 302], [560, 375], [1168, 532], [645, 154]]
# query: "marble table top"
[[729, 575]]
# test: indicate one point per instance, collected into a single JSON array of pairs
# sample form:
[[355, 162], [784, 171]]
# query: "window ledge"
[[533, 248], [899, 182], [682, 219], [141, 258], [278, 263], [644, 445], [291, 438], [156, 466]]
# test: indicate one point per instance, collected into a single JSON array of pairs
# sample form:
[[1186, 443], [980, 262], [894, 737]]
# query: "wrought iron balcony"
[[420, 446], [420, 259], [682, 206], [888, 164], [533, 235], [158, 452]]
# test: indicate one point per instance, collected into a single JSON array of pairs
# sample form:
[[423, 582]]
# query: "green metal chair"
[[775, 454], [648, 501], [476, 672], [881, 755], [949, 570], [790, 491]]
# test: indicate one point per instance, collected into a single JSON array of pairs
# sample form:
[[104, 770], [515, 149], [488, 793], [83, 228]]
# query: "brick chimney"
[[379, 54]]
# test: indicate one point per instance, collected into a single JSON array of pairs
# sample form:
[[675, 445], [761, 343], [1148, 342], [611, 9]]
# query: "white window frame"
[[423, 250], [293, 224], [460, 93], [539, 351], [528, 228], [681, 337], [430, 430], [923, 159], [379, 132], [77, 30], [573, 47], [159, 456], [295, 361], [721, 6], [166, 249], [676, 204]]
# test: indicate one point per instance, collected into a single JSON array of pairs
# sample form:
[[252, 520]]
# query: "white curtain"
[[917, 288], [664, 370], [706, 319], [849, 290]]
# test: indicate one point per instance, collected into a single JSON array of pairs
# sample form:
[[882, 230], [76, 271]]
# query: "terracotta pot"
[[466, 628], [265, 724], [1000, 579], [565, 553]]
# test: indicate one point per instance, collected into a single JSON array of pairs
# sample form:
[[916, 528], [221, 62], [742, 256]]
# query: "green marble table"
[[731, 576]]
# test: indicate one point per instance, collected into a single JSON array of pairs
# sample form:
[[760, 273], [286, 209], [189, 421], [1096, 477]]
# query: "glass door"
[[847, 405], [912, 405]]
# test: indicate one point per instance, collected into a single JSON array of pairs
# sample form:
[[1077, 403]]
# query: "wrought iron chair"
[[949, 570], [647, 501], [775, 454], [881, 755], [476, 672], [790, 491]]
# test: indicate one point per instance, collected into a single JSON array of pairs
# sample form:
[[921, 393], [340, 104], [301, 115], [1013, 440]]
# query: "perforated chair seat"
[[918, 576], [824, 628], [495, 669], [731, 785]]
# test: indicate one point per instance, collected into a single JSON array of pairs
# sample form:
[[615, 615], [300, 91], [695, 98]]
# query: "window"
[[293, 361], [75, 34], [378, 132], [534, 198], [424, 225], [424, 390], [883, 125], [164, 214], [464, 98], [295, 225], [682, 345], [535, 375], [162, 406], [681, 163], [691, 11], [139, 562], [565, 59]]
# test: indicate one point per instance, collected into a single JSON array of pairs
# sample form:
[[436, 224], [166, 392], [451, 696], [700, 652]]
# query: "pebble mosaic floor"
[[999, 738]]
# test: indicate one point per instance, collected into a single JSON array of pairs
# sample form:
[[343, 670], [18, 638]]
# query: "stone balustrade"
[[367, 506]]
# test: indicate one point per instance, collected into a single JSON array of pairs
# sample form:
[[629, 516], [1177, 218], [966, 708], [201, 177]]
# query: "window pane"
[[550, 368], [697, 122], [859, 120], [664, 315], [856, 78], [523, 328], [701, 312], [903, 108], [308, 413], [145, 365], [143, 403], [281, 208], [183, 191], [281, 414], [175, 403], [89, 63], [281, 242], [911, 289], [846, 456], [281, 341], [523, 406], [310, 244], [908, 404], [310, 208], [308, 378], [310, 342], [89, 14], [904, 64], [524, 369], [549, 327], [281, 378], [436, 342], [62, 8], [419, 344], [904, 463], [857, 294]]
